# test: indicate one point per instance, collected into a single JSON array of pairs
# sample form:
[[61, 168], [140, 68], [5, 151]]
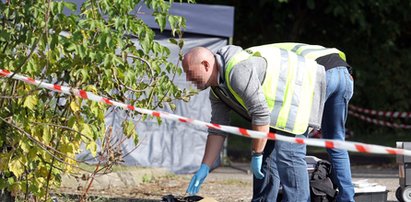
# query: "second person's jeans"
[[285, 162], [339, 92]]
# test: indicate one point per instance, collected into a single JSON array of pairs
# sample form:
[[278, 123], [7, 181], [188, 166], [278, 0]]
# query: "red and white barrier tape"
[[379, 122], [331, 144], [389, 114]]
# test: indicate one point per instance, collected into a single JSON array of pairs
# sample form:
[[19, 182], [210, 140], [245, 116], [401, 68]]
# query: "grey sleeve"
[[246, 82], [219, 114]]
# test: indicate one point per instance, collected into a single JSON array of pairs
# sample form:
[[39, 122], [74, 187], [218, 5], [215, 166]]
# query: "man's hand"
[[258, 146], [198, 179], [256, 162]]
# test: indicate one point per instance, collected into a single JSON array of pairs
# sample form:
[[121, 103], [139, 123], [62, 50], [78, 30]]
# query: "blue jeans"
[[339, 92], [285, 162]]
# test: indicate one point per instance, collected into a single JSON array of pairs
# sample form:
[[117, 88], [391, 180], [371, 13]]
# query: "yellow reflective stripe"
[[304, 109], [300, 47], [273, 59], [296, 100], [243, 55], [342, 55], [289, 100], [289, 89], [286, 45], [280, 87], [305, 47], [215, 95], [314, 53]]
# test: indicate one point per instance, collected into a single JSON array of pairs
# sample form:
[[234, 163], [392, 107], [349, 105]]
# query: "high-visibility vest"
[[288, 86], [309, 51]]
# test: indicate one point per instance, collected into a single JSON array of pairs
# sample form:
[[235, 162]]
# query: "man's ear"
[[206, 64]]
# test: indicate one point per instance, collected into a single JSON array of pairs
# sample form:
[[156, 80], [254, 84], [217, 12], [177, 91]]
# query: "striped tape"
[[379, 122], [388, 114], [330, 144]]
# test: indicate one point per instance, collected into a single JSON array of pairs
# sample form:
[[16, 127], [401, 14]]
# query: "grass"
[[147, 178], [114, 168], [236, 182]]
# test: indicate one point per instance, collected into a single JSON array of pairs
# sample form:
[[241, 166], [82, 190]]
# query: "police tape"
[[379, 122], [326, 143], [388, 114]]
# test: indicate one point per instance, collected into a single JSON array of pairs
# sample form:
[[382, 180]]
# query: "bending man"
[[277, 89]]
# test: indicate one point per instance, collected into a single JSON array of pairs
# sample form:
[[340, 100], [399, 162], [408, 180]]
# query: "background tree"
[[375, 35], [41, 130]]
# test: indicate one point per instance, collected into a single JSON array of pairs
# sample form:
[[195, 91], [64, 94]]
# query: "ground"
[[223, 184], [230, 183]]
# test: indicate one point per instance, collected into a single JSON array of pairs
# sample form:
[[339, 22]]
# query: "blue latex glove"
[[198, 179], [256, 162]]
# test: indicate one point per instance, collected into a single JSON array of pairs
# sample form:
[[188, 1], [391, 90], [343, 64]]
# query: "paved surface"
[[386, 175]]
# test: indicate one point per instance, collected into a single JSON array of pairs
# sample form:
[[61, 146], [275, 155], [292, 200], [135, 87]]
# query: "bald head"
[[196, 55], [200, 67]]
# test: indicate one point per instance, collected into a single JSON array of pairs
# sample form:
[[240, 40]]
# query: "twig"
[[43, 146], [96, 170]]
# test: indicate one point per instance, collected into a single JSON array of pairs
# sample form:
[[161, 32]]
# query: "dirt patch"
[[223, 184]]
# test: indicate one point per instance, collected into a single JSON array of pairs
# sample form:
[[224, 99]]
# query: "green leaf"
[[84, 75], [129, 128], [24, 146], [173, 41], [172, 106], [117, 60], [46, 135], [74, 107], [71, 47], [10, 180], [87, 131], [172, 21], [60, 6], [180, 43], [31, 102], [136, 139], [81, 51], [106, 60], [179, 71], [157, 48], [16, 167], [71, 6], [161, 20], [108, 40], [72, 121], [92, 147]]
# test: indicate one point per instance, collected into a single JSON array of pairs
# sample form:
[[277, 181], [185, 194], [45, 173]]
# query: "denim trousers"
[[285, 162], [339, 92]]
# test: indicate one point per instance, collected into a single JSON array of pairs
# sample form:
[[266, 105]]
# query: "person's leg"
[[266, 189], [339, 92], [292, 169]]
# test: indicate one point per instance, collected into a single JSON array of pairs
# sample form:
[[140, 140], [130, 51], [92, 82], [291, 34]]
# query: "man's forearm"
[[213, 148], [259, 144]]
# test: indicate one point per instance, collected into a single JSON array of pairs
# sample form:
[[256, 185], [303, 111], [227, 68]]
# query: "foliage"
[[94, 50], [374, 34]]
